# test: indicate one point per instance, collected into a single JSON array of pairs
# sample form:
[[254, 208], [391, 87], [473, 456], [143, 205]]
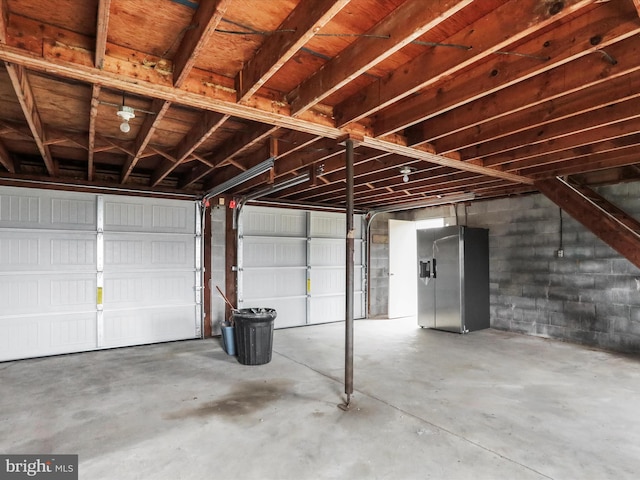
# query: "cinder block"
[[580, 309], [535, 291], [523, 327], [535, 316], [549, 305], [551, 331], [562, 293], [599, 266]]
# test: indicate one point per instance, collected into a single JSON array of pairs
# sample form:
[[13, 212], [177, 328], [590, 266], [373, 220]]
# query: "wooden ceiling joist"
[[404, 25], [5, 159], [93, 115], [241, 142], [298, 28], [613, 226], [102, 27], [526, 17], [205, 21], [22, 88], [158, 109], [571, 41], [567, 90], [209, 123]]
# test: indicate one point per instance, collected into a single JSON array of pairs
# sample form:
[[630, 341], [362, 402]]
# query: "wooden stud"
[[23, 90], [102, 27], [405, 24], [299, 27], [637, 5], [205, 21]]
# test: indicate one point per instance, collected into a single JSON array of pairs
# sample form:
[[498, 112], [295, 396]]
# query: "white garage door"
[[81, 272], [294, 261]]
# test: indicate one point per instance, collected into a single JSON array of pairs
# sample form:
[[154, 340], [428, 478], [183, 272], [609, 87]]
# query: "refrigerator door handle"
[[433, 263], [425, 269]]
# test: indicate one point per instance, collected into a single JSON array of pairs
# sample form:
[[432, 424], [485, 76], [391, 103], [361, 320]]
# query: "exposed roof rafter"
[[205, 21], [22, 88], [299, 27], [405, 24]]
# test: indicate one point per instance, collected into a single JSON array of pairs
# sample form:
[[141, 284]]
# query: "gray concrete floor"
[[427, 404]]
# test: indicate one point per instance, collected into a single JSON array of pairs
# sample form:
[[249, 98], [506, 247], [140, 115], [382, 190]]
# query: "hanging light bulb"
[[405, 171], [126, 114]]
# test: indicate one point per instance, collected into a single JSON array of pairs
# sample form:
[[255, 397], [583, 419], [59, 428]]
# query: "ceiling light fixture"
[[406, 171], [126, 114]]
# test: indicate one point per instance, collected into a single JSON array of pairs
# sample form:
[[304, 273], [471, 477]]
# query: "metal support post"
[[349, 268]]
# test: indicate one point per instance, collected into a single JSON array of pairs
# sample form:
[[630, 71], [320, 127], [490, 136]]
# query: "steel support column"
[[349, 269]]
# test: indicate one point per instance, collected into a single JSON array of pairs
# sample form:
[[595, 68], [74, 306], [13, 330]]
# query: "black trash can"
[[254, 334]]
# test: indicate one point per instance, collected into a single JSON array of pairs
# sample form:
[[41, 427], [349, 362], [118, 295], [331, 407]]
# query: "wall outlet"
[[560, 253]]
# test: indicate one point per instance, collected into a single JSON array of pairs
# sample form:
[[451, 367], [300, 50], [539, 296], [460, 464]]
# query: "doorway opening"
[[403, 258]]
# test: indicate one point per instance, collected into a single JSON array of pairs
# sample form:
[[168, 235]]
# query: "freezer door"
[[448, 303], [426, 288]]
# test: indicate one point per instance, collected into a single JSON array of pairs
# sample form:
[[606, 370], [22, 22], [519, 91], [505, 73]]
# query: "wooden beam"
[[416, 152], [151, 122], [298, 28], [23, 90], [572, 127], [201, 130], [93, 115], [571, 40], [598, 140], [235, 146], [102, 27], [637, 5], [5, 159], [402, 26], [4, 20], [69, 64], [205, 21], [577, 86], [596, 214], [525, 18]]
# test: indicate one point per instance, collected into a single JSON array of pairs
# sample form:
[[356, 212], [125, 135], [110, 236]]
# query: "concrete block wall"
[[590, 296]]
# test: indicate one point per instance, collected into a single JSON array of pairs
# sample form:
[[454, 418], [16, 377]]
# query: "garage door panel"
[[46, 334], [143, 215], [142, 251], [21, 208], [332, 280], [331, 308], [270, 283], [319, 253], [274, 252], [24, 251], [148, 325], [274, 221], [329, 252], [46, 293], [129, 290], [291, 312]]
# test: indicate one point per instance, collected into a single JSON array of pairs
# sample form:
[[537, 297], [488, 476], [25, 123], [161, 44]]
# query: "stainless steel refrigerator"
[[453, 278]]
